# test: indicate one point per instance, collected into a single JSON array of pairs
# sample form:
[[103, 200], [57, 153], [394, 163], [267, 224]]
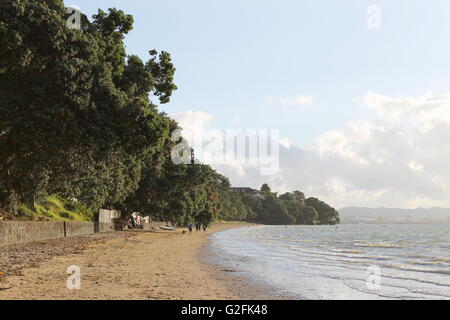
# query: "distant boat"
[[167, 228]]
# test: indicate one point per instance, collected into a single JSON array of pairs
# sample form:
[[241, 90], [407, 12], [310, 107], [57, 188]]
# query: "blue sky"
[[350, 144], [232, 55]]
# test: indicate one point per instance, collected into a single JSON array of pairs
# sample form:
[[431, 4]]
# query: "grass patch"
[[56, 208]]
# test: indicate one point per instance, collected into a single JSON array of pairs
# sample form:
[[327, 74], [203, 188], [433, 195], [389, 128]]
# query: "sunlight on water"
[[332, 262]]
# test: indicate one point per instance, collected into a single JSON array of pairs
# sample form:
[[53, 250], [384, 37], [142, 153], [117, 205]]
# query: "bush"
[[57, 209]]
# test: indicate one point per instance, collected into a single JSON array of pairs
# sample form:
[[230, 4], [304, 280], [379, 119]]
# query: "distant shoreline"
[[357, 215]]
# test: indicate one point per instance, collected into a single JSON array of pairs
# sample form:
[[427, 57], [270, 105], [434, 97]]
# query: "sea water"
[[341, 262]]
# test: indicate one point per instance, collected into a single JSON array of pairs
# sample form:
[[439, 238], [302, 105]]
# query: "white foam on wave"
[[322, 262]]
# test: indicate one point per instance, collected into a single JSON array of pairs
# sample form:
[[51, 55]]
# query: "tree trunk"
[[13, 203]]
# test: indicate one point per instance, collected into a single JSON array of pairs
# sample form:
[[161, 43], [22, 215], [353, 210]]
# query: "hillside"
[[393, 215]]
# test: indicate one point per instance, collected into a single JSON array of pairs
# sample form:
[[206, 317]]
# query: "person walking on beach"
[[191, 227]]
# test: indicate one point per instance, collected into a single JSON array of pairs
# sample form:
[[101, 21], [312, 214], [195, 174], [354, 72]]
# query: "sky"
[[359, 90]]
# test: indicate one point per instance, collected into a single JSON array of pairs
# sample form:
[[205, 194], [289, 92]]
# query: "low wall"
[[79, 228], [105, 227], [24, 231], [86, 228], [12, 232]]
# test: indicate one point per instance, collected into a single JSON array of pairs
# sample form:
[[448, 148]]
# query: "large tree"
[[75, 117], [288, 208], [327, 214]]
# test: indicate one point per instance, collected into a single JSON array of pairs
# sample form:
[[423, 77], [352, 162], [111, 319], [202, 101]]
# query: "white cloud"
[[285, 143], [336, 185], [300, 100], [414, 166], [74, 7], [401, 158], [423, 112], [193, 123]]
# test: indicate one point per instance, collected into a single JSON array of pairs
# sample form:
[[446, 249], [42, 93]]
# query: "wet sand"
[[122, 266]]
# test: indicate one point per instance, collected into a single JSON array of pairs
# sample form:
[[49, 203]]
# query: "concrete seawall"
[[21, 231], [86, 228], [12, 232]]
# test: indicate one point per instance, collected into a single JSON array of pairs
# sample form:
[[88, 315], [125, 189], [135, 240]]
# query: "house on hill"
[[246, 191]]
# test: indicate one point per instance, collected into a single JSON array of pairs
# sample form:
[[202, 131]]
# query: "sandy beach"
[[128, 265]]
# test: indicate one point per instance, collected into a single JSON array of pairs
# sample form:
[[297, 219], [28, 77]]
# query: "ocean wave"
[[410, 266], [380, 245], [413, 269], [444, 260], [435, 262], [412, 255], [341, 254], [415, 279], [347, 251]]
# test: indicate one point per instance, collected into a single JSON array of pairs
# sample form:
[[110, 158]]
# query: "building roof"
[[244, 190]]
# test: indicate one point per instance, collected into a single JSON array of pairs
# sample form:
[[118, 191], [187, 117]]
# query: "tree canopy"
[[289, 208], [77, 122], [76, 118]]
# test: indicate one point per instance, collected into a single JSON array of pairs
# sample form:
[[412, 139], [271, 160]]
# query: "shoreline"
[[247, 288], [132, 266]]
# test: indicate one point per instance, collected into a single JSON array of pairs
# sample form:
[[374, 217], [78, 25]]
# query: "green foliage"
[[307, 215], [233, 208], [289, 208], [274, 211], [327, 214], [82, 124], [57, 209], [76, 121], [265, 190]]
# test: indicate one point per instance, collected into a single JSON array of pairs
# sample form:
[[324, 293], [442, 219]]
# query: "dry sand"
[[126, 266]]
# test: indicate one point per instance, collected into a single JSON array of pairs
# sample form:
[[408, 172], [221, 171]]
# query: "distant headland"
[[391, 215]]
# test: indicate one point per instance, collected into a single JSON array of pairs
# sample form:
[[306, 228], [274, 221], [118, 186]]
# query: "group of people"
[[198, 227], [135, 222]]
